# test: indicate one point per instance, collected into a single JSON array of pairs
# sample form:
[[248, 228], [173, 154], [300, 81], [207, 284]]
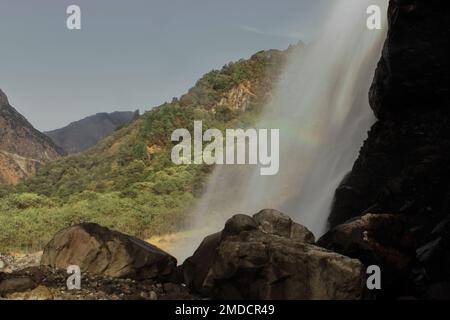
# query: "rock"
[[238, 224], [403, 167], [153, 295], [3, 99], [17, 262], [196, 268], [432, 268], [98, 250], [255, 264], [12, 285], [50, 283], [385, 240], [382, 239], [2, 265], [413, 72], [276, 223], [23, 149], [40, 293]]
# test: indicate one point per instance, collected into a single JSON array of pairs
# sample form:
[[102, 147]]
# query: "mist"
[[321, 107]]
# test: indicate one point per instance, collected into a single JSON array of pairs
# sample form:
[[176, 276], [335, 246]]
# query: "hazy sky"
[[132, 54]]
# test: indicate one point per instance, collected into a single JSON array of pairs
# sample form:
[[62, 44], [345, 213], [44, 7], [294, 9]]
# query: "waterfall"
[[320, 105]]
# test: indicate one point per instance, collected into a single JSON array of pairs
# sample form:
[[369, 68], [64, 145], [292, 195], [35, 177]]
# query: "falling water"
[[321, 107]]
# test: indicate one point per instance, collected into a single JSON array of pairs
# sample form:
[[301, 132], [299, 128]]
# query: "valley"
[[358, 211], [128, 181]]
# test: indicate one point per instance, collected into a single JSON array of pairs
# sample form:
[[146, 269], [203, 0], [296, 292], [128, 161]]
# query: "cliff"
[[402, 169], [22, 148]]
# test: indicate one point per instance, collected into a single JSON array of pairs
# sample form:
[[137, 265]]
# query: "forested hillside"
[[128, 181]]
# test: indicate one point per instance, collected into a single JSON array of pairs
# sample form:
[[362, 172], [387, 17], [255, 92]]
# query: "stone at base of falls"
[[383, 239], [386, 240], [411, 267], [98, 250], [253, 258], [19, 284]]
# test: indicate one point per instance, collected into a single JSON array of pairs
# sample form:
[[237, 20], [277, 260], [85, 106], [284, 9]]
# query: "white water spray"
[[321, 107]]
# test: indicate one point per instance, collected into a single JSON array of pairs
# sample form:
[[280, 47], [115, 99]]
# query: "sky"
[[132, 54]]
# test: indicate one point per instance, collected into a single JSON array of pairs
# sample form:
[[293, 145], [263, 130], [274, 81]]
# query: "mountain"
[[84, 134], [127, 181], [23, 149]]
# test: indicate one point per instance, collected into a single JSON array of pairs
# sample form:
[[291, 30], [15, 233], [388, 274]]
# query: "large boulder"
[[261, 257], [274, 222], [18, 284], [98, 250], [382, 239], [385, 240]]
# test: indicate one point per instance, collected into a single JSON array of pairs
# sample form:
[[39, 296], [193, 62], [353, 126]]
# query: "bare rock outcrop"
[[23, 149], [3, 99], [268, 256]]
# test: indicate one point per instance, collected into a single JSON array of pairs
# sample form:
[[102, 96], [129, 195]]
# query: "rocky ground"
[[22, 282], [22, 278], [264, 256]]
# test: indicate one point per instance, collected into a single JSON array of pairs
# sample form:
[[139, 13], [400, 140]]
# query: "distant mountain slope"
[[22, 148], [84, 134], [127, 181]]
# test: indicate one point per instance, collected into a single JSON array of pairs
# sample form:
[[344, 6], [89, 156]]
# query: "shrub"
[[28, 200]]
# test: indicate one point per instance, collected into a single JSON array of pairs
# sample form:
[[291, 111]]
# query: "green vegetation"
[[127, 181]]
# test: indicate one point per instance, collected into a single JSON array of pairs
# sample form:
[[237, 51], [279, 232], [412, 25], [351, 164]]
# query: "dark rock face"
[[432, 267], [270, 257], [376, 238], [385, 240], [403, 165], [413, 72], [84, 134], [98, 250]]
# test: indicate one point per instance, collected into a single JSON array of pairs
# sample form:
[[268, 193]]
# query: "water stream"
[[321, 107]]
